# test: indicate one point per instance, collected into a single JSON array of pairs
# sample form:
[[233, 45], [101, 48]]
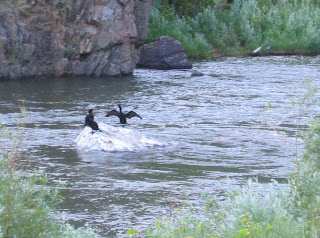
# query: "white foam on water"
[[114, 139]]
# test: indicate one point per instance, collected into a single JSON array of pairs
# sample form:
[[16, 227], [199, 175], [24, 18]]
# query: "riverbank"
[[279, 27]]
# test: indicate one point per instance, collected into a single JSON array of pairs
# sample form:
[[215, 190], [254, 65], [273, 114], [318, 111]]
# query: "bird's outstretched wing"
[[113, 112], [132, 114]]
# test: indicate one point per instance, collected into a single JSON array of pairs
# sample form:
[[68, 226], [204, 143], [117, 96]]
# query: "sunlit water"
[[218, 130]]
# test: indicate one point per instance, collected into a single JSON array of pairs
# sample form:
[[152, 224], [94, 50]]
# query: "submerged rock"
[[196, 73], [71, 38], [164, 53]]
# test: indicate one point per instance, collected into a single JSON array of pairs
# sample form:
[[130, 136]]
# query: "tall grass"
[[287, 25], [27, 203]]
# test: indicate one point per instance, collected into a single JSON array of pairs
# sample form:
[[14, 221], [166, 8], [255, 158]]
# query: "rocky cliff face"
[[41, 38]]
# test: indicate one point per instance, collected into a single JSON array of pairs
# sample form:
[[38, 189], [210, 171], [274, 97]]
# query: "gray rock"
[[196, 73], [76, 38], [60, 67], [163, 53]]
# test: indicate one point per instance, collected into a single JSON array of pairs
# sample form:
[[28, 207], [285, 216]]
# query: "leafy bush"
[[26, 205], [243, 26], [186, 7]]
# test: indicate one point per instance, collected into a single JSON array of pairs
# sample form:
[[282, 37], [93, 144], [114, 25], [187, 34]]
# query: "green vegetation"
[[284, 26], [70, 52], [13, 52], [186, 7], [39, 26], [285, 211], [108, 47], [27, 203]]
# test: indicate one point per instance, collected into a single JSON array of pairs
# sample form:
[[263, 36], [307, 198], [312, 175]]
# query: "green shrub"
[[255, 214], [247, 24], [26, 205]]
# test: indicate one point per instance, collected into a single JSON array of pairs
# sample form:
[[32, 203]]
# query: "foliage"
[[13, 52], [250, 214], [186, 7], [306, 180], [242, 26], [70, 51], [27, 203], [312, 144]]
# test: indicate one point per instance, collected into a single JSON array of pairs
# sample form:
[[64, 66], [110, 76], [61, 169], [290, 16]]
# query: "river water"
[[234, 123]]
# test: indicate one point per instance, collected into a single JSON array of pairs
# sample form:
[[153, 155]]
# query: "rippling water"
[[218, 128]]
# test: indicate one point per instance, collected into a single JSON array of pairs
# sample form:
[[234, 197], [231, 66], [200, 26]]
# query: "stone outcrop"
[[163, 53], [41, 38]]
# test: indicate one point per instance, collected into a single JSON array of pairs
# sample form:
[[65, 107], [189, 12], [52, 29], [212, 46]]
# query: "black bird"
[[90, 121], [122, 116]]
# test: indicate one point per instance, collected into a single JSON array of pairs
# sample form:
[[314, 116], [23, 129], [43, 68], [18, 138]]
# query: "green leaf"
[[244, 232], [131, 231]]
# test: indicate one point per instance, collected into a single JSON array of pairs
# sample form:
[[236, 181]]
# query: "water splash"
[[114, 139]]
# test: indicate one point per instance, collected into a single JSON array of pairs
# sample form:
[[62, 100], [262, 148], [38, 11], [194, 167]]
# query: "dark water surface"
[[218, 128]]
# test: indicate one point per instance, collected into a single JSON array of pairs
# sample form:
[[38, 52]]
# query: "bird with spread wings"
[[123, 116]]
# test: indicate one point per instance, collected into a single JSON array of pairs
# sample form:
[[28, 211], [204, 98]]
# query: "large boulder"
[[163, 53]]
